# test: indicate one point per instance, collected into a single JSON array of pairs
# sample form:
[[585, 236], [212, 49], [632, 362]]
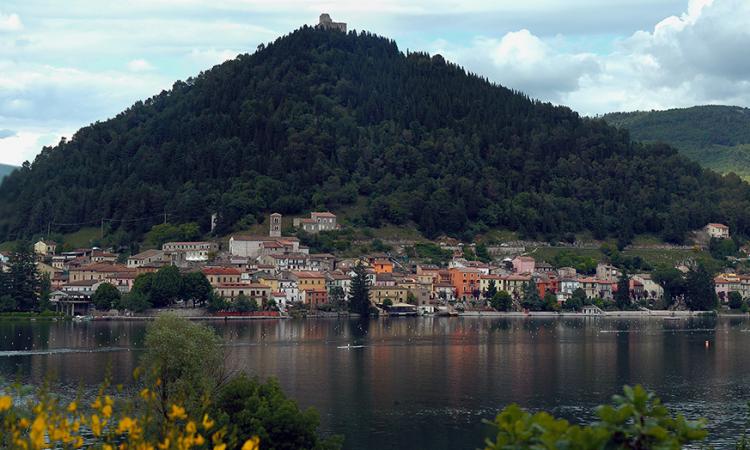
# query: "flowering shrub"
[[45, 422]]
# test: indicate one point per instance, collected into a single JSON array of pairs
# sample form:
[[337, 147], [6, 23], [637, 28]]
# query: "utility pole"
[[165, 217], [101, 230], [49, 226]]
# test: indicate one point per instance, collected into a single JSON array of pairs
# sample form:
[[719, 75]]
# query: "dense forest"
[[323, 119], [718, 137]]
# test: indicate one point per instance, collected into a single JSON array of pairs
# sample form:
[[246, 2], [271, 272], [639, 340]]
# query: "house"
[[96, 271], [45, 248], [547, 283], [184, 253], [221, 275], [725, 283], [145, 257], [254, 246], [523, 264], [309, 280], [465, 282], [717, 230], [485, 280], [314, 297], [544, 267], [318, 221], [651, 289], [286, 261], [123, 281], [444, 290], [513, 284], [339, 279], [255, 291], [396, 294], [382, 266], [322, 262], [281, 300], [607, 272], [100, 256], [289, 287]]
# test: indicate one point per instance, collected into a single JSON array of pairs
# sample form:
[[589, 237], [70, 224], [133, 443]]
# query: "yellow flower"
[[107, 411], [107, 447], [207, 422], [5, 403], [23, 423], [251, 444], [165, 444], [177, 412], [220, 447], [199, 440], [37, 432], [72, 407], [191, 428], [96, 425]]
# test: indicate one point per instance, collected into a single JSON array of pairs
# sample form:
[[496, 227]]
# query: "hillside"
[[5, 170], [322, 119], [718, 137]]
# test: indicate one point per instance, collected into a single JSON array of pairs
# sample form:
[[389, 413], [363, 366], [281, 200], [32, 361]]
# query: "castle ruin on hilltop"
[[326, 23]]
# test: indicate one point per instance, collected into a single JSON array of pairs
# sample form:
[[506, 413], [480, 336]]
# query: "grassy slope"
[[718, 137]]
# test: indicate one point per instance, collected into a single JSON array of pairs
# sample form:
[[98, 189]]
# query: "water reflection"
[[429, 382]]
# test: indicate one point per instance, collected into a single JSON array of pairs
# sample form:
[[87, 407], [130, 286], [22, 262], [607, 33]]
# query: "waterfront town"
[[279, 274]]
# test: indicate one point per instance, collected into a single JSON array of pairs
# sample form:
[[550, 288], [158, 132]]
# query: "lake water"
[[430, 382]]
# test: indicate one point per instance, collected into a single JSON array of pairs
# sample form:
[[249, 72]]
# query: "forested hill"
[[718, 137], [5, 170], [318, 119]]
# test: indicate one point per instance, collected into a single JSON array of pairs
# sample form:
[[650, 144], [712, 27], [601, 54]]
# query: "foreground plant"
[[635, 420], [45, 422]]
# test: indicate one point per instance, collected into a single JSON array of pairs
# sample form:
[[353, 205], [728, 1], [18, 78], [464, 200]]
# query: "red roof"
[[308, 274], [220, 271], [718, 225], [323, 214]]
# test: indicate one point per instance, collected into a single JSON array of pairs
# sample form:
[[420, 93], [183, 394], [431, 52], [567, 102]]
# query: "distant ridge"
[[717, 137]]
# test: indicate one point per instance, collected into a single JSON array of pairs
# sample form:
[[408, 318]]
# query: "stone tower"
[[275, 230], [326, 23]]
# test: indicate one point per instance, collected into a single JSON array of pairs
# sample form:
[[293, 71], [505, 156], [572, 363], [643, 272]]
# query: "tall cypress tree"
[[23, 279], [622, 296], [359, 295], [700, 293]]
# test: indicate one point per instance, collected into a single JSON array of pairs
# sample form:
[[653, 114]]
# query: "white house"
[[717, 230]]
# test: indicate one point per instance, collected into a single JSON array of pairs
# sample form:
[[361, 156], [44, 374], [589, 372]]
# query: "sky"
[[66, 64]]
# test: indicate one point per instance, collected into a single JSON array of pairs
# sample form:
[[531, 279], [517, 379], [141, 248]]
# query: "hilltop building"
[[318, 221], [717, 230], [326, 23]]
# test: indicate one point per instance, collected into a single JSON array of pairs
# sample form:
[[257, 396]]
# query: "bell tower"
[[275, 230]]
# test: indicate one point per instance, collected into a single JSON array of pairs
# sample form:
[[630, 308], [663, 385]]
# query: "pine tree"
[[23, 279], [489, 294], [622, 296], [359, 295], [700, 294], [531, 299]]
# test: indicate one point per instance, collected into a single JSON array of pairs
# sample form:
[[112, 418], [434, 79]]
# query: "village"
[[279, 275]]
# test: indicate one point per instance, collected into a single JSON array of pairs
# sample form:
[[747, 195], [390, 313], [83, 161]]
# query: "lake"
[[430, 382]]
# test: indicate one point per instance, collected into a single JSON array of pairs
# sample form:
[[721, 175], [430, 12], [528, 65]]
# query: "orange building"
[[383, 266], [465, 281]]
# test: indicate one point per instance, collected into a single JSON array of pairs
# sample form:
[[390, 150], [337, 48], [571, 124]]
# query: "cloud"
[[209, 57], [697, 57], [10, 22], [139, 65], [5, 133]]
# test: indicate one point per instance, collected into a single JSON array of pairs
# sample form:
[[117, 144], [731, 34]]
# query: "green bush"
[[635, 420]]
